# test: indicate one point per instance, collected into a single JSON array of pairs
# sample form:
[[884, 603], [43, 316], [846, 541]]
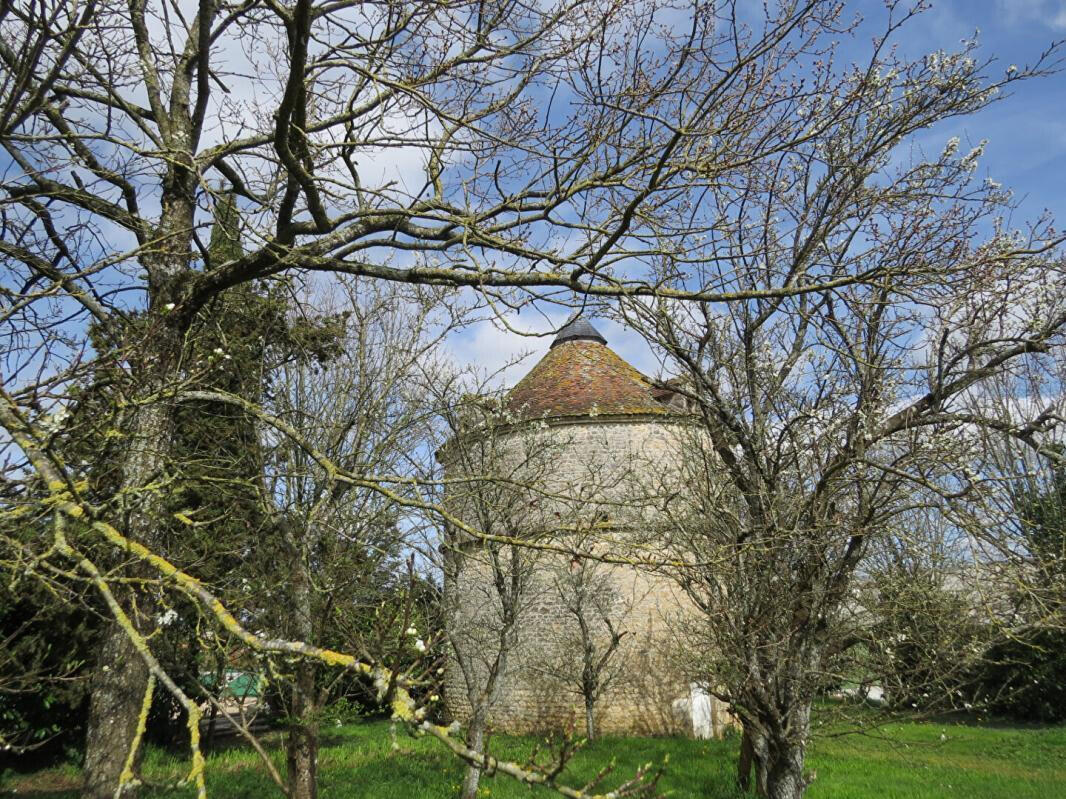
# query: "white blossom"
[[167, 618], [969, 161]]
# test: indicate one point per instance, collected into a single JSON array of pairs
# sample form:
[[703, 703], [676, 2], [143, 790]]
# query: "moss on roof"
[[582, 378]]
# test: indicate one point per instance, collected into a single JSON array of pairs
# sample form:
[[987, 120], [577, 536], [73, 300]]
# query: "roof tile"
[[580, 377]]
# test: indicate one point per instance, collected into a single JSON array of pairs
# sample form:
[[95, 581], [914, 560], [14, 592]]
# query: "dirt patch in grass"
[[42, 785]]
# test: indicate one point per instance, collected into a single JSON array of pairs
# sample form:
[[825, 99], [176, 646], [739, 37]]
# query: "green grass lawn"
[[903, 761]]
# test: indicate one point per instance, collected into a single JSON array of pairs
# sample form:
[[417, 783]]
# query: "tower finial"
[[578, 329]]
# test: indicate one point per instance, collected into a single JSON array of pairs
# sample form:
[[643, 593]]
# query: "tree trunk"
[[212, 719], [302, 741], [117, 688], [746, 761], [121, 675], [475, 739], [590, 719], [783, 753], [784, 771], [752, 755]]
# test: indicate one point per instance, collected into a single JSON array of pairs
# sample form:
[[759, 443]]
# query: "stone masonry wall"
[[605, 476]]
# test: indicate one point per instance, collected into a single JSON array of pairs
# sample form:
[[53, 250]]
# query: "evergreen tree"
[[1042, 523], [223, 526], [1025, 676]]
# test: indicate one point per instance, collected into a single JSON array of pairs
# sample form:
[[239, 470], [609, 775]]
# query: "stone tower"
[[587, 448]]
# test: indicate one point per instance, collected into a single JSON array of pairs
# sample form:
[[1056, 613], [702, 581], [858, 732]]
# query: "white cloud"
[[508, 351], [499, 352], [1050, 13]]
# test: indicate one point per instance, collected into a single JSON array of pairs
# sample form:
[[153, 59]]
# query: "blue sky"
[[1026, 131], [1026, 151]]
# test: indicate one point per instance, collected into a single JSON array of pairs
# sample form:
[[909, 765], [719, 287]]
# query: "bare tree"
[[821, 419], [1013, 526], [816, 423], [366, 408], [482, 631], [590, 596]]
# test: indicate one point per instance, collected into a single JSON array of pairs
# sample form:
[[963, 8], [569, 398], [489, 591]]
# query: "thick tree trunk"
[[784, 771], [746, 761], [784, 753], [117, 688], [154, 360], [590, 719], [121, 676]]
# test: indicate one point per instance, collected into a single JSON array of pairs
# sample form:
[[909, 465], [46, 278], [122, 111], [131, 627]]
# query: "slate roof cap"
[[578, 329]]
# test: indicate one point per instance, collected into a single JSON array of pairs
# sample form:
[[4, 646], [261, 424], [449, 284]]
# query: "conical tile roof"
[[581, 376]]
